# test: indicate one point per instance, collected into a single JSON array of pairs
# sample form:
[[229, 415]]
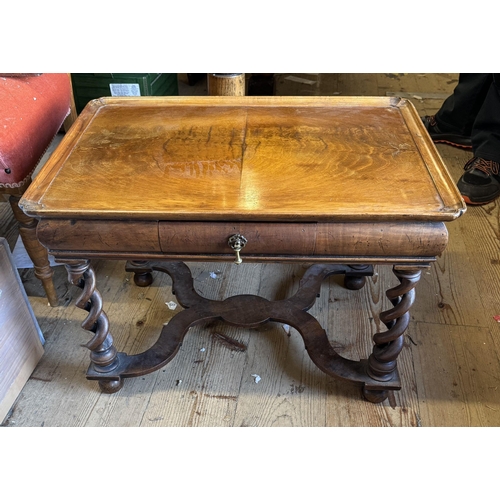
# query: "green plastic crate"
[[88, 86]]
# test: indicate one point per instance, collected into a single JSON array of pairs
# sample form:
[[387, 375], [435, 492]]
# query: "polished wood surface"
[[449, 367], [37, 252], [350, 182], [306, 241], [259, 158]]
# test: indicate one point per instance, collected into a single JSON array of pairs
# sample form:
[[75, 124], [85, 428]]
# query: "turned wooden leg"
[[382, 362], [36, 251], [103, 354]]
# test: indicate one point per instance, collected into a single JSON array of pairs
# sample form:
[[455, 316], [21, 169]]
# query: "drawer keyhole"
[[237, 242]]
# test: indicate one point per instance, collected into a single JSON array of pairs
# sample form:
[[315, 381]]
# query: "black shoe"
[[459, 141], [481, 182]]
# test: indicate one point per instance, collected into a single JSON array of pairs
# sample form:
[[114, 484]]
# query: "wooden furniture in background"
[[20, 337], [226, 84], [32, 111], [341, 183]]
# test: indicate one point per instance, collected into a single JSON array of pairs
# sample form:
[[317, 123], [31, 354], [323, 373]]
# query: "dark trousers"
[[474, 110]]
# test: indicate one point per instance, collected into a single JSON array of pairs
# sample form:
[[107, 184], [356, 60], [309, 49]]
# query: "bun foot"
[[143, 279], [354, 282], [110, 386], [375, 396]]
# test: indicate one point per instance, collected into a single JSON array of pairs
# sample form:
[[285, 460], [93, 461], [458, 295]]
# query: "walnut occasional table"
[[341, 183]]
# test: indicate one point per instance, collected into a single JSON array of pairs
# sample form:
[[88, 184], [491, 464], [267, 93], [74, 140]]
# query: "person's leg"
[[452, 124], [459, 111], [486, 129], [481, 181]]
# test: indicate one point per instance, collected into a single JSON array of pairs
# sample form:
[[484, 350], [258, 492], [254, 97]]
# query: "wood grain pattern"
[[452, 326], [94, 235], [469, 376], [254, 158], [306, 239], [231, 84], [239, 151], [342, 242]]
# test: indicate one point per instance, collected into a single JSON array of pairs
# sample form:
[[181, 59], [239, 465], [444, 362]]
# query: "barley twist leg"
[[382, 362], [103, 353]]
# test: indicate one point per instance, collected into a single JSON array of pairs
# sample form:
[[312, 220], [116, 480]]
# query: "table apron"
[[281, 241]]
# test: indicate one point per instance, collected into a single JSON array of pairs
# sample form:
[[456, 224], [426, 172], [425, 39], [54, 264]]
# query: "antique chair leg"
[[33, 108], [36, 251], [382, 362]]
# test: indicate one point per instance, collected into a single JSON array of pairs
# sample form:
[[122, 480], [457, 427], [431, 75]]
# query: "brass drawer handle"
[[237, 242]]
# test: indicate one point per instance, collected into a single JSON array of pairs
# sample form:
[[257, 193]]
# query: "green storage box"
[[88, 86]]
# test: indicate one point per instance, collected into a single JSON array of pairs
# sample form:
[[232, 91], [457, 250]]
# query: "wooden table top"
[[246, 158]]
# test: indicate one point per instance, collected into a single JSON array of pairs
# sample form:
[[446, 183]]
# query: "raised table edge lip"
[[453, 203]]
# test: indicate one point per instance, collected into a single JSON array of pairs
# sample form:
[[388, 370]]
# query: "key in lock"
[[237, 242]]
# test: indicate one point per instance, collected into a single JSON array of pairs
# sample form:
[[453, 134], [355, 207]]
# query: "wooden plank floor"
[[449, 366]]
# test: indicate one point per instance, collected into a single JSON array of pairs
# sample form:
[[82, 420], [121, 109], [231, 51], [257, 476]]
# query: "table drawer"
[[300, 239], [212, 238], [303, 239], [104, 236]]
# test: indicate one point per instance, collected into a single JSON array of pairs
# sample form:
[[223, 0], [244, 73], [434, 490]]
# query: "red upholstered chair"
[[32, 111]]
